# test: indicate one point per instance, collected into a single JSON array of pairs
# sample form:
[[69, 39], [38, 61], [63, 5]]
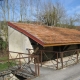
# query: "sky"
[[71, 6]]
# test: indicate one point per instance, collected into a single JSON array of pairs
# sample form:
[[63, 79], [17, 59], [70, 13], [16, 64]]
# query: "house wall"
[[18, 42]]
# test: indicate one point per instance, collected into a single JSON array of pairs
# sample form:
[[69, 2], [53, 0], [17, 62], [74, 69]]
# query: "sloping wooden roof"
[[78, 28], [48, 36]]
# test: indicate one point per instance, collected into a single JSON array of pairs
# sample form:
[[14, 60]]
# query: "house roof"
[[48, 36]]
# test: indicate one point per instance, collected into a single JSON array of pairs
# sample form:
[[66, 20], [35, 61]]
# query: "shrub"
[[3, 44]]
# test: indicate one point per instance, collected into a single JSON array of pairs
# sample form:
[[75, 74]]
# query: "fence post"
[[19, 60], [61, 55], [57, 60], [8, 59], [77, 55], [28, 55], [41, 58], [38, 65], [35, 65]]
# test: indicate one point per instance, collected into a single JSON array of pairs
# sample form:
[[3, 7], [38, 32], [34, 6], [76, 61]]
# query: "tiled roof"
[[48, 36]]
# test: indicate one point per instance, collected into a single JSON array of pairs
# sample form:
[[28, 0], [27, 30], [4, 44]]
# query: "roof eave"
[[59, 44]]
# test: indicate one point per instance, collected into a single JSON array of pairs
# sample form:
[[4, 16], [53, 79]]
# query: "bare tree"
[[3, 10], [7, 8], [23, 9], [52, 14], [71, 21], [12, 9], [74, 19]]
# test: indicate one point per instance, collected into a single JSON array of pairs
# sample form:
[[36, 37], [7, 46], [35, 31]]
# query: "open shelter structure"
[[62, 45]]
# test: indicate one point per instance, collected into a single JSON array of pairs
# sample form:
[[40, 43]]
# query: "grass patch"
[[4, 58], [3, 66], [6, 65]]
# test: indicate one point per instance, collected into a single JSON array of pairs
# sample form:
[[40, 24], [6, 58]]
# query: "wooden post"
[[35, 66], [8, 59], [38, 66], [77, 55], [57, 60], [41, 58], [61, 55], [19, 60], [28, 55]]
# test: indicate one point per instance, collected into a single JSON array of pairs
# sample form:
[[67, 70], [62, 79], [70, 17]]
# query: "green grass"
[[4, 58], [3, 66], [6, 65]]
